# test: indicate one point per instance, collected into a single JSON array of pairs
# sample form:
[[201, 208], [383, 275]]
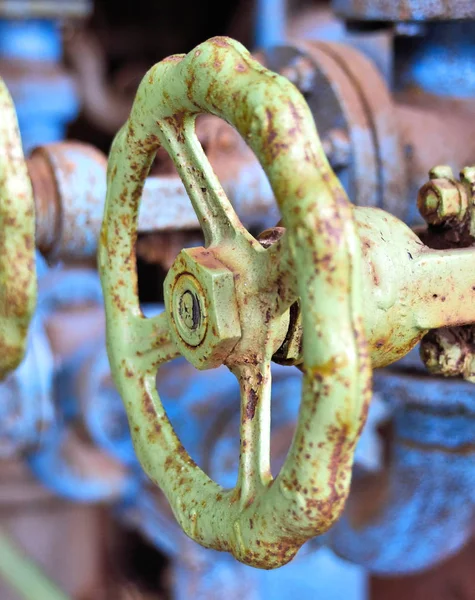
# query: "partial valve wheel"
[[17, 241]]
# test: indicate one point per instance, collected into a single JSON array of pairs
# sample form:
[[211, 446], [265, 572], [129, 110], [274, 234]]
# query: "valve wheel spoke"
[[215, 213], [280, 275], [152, 342], [254, 459]]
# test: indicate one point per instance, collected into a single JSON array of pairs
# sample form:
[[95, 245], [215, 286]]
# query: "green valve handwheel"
[[228, 303], [17, 241]]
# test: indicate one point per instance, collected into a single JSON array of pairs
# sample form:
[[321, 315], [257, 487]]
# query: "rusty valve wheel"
[[17, 241], [228, 303]]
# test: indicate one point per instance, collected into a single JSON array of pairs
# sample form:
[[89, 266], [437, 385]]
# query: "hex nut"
[[441, 200], [201, 306]]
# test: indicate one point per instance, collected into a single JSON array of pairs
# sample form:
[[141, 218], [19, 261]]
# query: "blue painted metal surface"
[[404, 10], [30, 39], [271, 22], [70, 465], [30, 62], [27, 411], [204, 574], [420, 509], [441, 61], [26, 408]]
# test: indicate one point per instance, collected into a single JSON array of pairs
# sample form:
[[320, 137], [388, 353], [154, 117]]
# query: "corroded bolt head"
[[468, 174], [441, 200], [200, 301], [189, 309], [450, 352], [441, 172]]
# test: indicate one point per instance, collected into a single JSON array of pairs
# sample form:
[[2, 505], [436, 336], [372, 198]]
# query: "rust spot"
[[220, 41], [147, 404], [173, 59], [251, 405]]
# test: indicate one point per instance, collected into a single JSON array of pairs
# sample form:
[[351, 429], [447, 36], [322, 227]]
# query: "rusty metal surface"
[[378, 105], [409, 288], [17, 242], [433, 131], [404, 10], [69, 183], [402, 282], [349, 99], [262, 521], [454, 576]]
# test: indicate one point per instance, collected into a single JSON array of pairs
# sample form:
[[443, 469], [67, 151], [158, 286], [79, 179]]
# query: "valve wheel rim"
[[17, 240], [262, 521]]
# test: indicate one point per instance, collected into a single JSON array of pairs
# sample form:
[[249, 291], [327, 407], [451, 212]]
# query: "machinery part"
[[68, 461], [404, 10], [450, 352], [69, 183], [355, 115], [262, 521], [27, 410], [23, 575], [423, 501], [100, 408], [447, 205], [54, 9], [212, 398], [73, 468], [402, 283], [44, 92], [439, 61], [105, 107], [270, 24], [27, 395], [203, 574], [17, 241], [443, 199]]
